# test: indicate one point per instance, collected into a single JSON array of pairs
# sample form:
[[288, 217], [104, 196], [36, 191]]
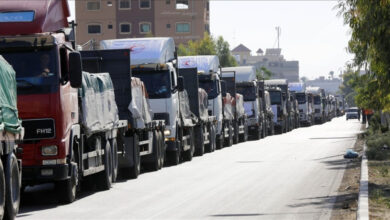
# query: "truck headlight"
[[167, 132], [49, 150]]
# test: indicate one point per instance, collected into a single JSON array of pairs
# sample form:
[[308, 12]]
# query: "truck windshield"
[[249, 92], [210, 86], [36, 70], [317, 100], [276, 97], [301, 97], [157, 83]]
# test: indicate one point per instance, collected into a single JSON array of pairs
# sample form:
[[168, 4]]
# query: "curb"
[[363, 213]]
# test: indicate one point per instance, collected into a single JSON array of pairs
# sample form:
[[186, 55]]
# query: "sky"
[[311, 31]]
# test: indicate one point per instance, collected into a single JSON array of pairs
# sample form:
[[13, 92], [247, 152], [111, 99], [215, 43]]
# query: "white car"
[[352, 113]]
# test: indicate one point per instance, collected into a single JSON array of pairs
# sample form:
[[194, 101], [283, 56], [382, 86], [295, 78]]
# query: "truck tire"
[[231, 135], [133, 171], [114, 147], [199, 140], [264, 130], [257, 135], [189, 154], [67, 189], [175, 156], [236, 133], [2, 191], [219, 141], [154, 163], [162, 147], [105, 177], [212, 134], [12, 187]]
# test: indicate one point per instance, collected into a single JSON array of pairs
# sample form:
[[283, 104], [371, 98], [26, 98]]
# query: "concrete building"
[[329, 85], [183, 20], [273, 60]]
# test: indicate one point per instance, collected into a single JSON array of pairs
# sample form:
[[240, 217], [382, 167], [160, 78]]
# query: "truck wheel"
[[105, 177], [188, 155], [199, 141], [67, 189], [245, 132], [114, 147], [2, 191], [236, 133], [133, 171], [257, 135], [219, 141], [212, 145], [154, 164], [12, 187], [161, 142]]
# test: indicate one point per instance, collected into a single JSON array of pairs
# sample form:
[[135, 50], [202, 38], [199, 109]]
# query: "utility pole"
[[278, 32]]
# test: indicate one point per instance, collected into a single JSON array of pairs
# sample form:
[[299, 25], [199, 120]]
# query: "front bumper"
[[32, 175]]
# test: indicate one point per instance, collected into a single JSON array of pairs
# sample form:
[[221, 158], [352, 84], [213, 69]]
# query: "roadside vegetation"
[[370, 89]]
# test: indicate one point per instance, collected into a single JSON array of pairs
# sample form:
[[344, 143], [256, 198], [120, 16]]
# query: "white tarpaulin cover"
[[157, 50], [188, 117], [239, 105], [203, 99], [207, 63], [228, 106], [139, 105], [99, 111], [243, 73]]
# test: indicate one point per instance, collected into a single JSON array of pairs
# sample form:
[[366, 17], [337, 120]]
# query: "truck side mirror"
[[180, 83], [223, 88], [75, 69]]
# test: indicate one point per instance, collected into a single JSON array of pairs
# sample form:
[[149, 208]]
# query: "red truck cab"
[[31, 40]]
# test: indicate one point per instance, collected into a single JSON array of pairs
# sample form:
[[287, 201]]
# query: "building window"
[[182, 27], [125, 28], [124, 4], [168, 26], [168, 2], [145, 28], [93, 5], [144, 4], [182, 4], [94, 29], [109, 26]]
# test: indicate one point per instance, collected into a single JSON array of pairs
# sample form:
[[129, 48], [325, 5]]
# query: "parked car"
[[353, 113]]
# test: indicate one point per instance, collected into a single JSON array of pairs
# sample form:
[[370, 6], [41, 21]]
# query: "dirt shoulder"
[[345, 206]]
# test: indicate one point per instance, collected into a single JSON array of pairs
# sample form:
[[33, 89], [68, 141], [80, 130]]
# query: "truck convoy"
[[246, 84], [91, 114], [11, 133], [209, 80], [143, 142], [240, 126], [153, 60]]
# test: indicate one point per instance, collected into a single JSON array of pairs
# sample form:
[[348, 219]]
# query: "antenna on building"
[[278, 32]]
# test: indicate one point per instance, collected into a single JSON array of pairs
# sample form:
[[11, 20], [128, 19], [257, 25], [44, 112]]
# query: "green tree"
[[209, 46], [369, 22], [223, 51], [263, 73]]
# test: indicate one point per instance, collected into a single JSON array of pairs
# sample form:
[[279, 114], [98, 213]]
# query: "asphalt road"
[[289, 176]]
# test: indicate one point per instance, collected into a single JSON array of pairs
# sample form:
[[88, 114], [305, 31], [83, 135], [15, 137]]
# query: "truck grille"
[[36, 129]]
